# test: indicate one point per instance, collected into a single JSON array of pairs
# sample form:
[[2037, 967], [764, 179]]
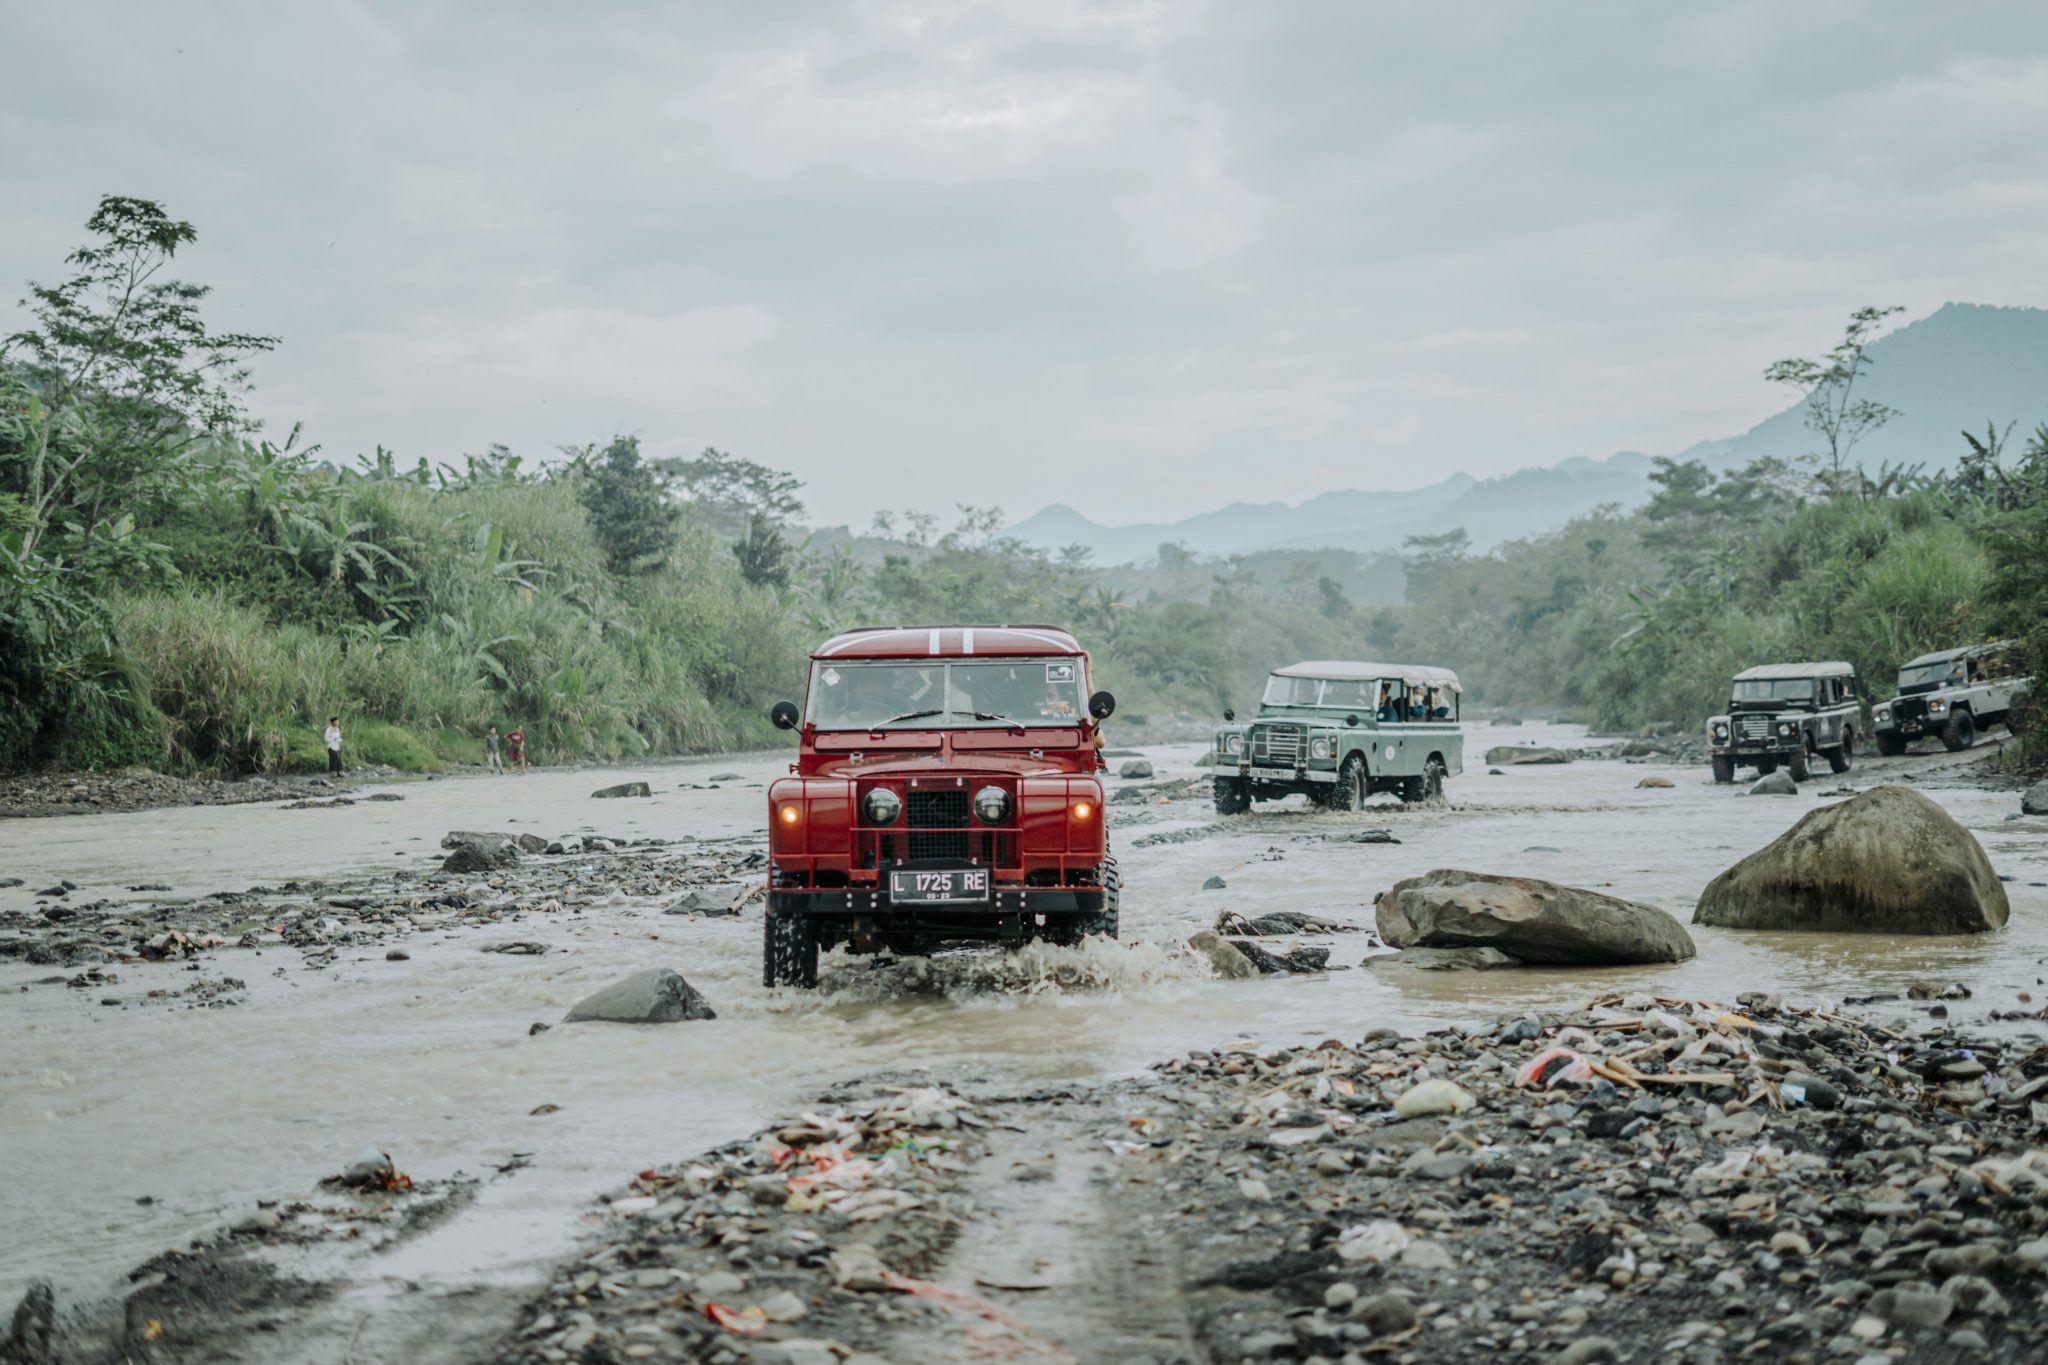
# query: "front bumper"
[[1286, 776], [1758, 748], [1011, 912]]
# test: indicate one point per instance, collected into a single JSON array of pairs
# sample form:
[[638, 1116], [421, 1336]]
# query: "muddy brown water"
[[203, 1111]]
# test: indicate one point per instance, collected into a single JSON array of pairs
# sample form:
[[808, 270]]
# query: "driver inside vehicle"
[[1385, 709]]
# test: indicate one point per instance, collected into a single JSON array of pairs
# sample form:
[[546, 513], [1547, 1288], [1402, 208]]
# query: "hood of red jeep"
[[1019, 763]]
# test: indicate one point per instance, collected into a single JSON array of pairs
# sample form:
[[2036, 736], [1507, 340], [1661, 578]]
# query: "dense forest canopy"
[[177, 589]]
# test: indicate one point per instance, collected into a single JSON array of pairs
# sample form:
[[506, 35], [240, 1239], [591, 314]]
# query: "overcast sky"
[[1145, 258]]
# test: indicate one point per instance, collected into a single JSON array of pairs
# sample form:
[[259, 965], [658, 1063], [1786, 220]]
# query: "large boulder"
[[1535, 921], [655, 996], [492, 845], [623, 789], [1887, 862], [481, 857], [1134, 769], [1774, 784], [1515, 754], [2035, 802]]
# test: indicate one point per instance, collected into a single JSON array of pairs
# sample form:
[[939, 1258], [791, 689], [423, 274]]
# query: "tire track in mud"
[[1054, 1249]]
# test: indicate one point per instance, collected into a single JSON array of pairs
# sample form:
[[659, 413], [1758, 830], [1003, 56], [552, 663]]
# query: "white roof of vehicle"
[[1341, 670], [1944, 655], [1761, 672]]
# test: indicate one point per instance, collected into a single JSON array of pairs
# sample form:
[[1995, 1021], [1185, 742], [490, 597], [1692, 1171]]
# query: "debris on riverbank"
[[1640, 1179], [27, 795]]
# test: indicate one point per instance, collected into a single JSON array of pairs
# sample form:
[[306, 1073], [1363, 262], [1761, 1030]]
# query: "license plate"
[[942, 886], [1911, 727]]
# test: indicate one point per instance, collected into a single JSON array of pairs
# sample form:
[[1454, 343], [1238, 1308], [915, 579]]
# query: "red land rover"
[[945, 789]]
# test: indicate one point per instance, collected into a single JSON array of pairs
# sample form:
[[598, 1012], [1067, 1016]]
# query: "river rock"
[[1774, 784], [1516, 753], [709, 900], [1135, 768], [655, 996], [531, 843], [1228, 961], [480, 857], [1535, 921], [623, 789], [2035, 800], [1887, 862], [1655, 782]]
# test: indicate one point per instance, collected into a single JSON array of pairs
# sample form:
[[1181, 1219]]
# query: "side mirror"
[[1102, 706], [784, 714], [1229, 714], [1351, 720]]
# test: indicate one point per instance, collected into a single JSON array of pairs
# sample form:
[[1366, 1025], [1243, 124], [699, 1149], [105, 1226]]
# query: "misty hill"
[[1956, 369]]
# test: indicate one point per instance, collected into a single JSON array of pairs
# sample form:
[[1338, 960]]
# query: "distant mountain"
[[1956, 369]]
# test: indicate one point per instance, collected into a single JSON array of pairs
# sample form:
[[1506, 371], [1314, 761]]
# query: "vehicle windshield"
[[945, 694], [1386, 698], [1923, 675], [1350, 696], [1773, 689]]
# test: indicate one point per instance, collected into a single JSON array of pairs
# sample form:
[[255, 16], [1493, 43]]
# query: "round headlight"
[[992, 804], [1884, 713], [1319, 748], [1235, 744], [882, 806], [1720, 731]]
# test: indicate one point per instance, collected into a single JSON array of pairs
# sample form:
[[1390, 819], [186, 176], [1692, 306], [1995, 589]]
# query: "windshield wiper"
[[1016, 725], [907, 715]]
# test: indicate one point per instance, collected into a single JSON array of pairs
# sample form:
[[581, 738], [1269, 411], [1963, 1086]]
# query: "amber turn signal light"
[[1083, 809], [789, 815]]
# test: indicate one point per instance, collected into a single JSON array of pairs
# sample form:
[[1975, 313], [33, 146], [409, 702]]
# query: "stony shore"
[[1637, 1179]]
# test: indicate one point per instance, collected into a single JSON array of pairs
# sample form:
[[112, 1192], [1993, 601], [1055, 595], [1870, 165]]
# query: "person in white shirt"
[[334, 744]]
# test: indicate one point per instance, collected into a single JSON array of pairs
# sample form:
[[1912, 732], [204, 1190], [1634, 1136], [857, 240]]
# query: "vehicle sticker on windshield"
[[1059, 673], [830, 677]]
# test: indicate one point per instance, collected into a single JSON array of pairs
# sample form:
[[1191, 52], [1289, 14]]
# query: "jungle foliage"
[[178, 590]]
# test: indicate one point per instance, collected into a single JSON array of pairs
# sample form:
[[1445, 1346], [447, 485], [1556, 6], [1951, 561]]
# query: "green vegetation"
[[176, 590]]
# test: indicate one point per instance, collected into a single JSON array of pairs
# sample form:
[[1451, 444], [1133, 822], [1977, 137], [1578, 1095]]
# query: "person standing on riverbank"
[[515, 749], [491, 758], [334, 745]]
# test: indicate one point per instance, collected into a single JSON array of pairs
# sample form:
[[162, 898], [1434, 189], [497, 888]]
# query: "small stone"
[[1912, 1307], [259, 1222], [1386, 1314], [1655, 782], [398, 955], [784, 1306], [1254, 1189], [1433, 1097], [1214, 884], [719, 1284], [1332, 1163], [1340, 1296], [1790, 1243], [1426, 1256], [621, 790]]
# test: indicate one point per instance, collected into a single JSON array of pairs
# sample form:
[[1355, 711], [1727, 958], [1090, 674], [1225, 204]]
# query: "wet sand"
[[203, 1111]]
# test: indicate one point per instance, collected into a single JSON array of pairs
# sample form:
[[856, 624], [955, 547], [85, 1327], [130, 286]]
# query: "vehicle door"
[[1833, 692]]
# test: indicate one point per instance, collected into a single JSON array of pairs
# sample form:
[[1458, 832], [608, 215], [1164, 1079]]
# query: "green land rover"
[[1340, 731]]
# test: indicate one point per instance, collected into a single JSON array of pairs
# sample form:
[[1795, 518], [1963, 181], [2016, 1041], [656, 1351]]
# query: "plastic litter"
[[745, 1321], [1554, 1067], [1433, 1097]]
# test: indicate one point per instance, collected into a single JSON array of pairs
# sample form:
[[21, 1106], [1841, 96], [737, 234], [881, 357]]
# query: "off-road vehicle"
[[1953, 693], [1341, 731], [1789, 714], [945, 788]]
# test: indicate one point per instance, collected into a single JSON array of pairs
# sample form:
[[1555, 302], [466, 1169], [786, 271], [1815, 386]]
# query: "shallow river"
[[205, 1110]]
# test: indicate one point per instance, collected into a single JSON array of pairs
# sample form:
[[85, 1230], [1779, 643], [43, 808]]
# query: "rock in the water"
[[1887, 862], [531, 843], [1654, 782], [1134, 769], [709, 900], [477, 851], [1213, 884], [2035, 800], [655, 996], [1511, 754], [624, 789], [478, 858], [1536, 921], [1207, 760], [1442, 960], [1228, 961], [1301, 960], [1774, 784]]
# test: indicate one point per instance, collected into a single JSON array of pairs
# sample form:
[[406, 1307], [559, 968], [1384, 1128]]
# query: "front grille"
[[938, 844], [1909, 708], [1279, 744], [1753, 726], [936, 810]]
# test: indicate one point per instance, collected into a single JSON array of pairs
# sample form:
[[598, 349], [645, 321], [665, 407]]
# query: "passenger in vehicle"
[[1418, 706], [1385, 709]]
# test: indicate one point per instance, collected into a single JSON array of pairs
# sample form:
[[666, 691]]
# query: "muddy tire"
[[1724, 768], [1960, 732], [1838, 757], [1348, 792], [1796, 764], [789, 951], [1890, 743], [1233, 796], [1427, 787], [1766, 766]]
